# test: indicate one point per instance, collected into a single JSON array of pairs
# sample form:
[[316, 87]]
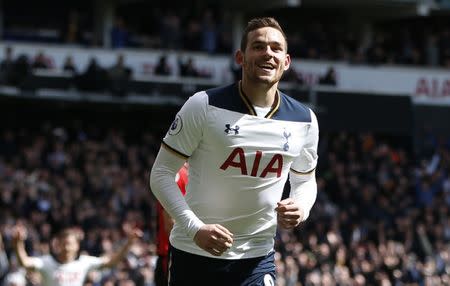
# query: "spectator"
[[444, 46], [209, 33], [192, 36], [20, 71], [432, 50], [163, 68], [41, 61], [119, 34], [170, 30], [94, 78], [187, 68], [119, 75], [329, 78], [6, 66], [73, 32], [376, 53], [65, 263], [69, 65]]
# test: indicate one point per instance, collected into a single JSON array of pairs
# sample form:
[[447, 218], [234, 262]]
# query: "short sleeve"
[[186, 130], [307, 159]]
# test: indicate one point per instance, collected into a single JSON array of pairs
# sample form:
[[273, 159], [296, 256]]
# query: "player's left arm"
[[110, 260], [295, 209]]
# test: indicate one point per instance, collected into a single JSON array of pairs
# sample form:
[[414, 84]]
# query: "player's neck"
[[63, 259], [60, 260], [259, 94]]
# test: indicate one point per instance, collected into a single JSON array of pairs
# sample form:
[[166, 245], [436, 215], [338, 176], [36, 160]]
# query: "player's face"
[[265, 57], [67, 248]]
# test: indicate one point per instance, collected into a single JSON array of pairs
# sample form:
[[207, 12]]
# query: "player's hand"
[[214, 239], [289, 213], [133, 233], [19, 232]]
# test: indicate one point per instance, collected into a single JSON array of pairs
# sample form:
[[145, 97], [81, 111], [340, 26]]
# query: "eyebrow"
[[257, 42]]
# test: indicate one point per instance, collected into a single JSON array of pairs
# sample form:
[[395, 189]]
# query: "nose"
[[268, 51]]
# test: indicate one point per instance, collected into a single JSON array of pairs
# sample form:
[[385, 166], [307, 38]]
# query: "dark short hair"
[[63, 231], [257, 23]]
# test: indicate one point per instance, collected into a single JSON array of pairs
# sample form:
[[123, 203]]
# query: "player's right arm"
[[19, 236], [181, 180], [181, 141], [212, 238], [164, 187]]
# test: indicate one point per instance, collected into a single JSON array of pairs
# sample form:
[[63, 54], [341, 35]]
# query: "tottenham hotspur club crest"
[[286, 136], [231, 130]]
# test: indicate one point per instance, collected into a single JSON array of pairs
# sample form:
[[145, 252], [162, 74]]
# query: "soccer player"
[[165, 224], [242, 141], [65, 266]]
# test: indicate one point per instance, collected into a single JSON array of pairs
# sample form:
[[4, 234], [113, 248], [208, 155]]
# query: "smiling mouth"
[[266, 67]]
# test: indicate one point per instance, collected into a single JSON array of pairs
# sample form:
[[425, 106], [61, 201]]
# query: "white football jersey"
[[239, 163], [67, 274]]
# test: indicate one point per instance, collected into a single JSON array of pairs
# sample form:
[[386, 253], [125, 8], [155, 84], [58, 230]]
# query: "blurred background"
[[89, 88]]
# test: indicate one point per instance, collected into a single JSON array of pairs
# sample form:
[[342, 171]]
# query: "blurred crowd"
[[208, 28], [96, 179], [403, 43], [16, 70], [381, 217]]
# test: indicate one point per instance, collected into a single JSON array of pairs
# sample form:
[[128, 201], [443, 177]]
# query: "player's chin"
[[267, 80]]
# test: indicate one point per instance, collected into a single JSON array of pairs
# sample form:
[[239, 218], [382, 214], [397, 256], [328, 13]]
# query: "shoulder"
[[90, 260], [220, 95], [195, 105], [226, 97], [43, 262], [47, 258], [223, 97], [85, 257], [293, 110]]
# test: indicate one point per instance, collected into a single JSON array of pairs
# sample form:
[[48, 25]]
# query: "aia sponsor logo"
[[237, 159]]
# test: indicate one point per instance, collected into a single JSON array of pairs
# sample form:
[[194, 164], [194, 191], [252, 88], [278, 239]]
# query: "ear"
[[239, 57], [287, 62]]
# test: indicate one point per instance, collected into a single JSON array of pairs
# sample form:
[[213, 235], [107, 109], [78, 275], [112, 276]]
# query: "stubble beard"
[[252, 76]]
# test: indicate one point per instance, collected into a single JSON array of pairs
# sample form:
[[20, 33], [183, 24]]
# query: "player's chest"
[[231, 130]]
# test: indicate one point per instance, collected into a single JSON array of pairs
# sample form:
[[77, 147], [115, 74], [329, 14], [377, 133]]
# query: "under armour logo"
[[229, 129], [286, 136]]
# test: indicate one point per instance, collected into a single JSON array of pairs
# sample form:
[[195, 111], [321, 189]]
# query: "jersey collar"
[[251, 109]]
